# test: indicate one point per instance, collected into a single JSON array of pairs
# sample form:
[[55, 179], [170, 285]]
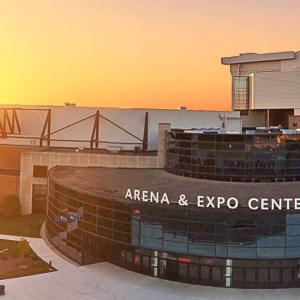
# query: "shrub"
[[10, 206], [23, 247]]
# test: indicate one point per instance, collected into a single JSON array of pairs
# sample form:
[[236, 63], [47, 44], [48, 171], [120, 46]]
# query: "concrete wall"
[[52, 159], [130, 119], [81, 159]]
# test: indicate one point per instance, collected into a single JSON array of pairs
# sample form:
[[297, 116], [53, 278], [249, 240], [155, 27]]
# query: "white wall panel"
[[131, 119], [276, 90]]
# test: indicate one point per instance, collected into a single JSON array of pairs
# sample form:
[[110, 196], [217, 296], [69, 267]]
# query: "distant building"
[[266, 88]]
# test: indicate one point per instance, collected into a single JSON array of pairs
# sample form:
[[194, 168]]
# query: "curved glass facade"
[[234, 157], [210, 247]]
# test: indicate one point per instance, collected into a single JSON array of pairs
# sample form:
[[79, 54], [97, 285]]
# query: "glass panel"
[[271, 241], [293, 241], [146, 265], [293, 229], [221, 250], [183, 270], [238, 274], [250, 275], [199, 248], [274, 275], [241, 252], [287, 275], [216, 273], [293, 218], [292, 252], [270, 252], [204, 272], [153, 230], [175, 247], [263, 275], [241, 92], [151, 243], [193, 271]]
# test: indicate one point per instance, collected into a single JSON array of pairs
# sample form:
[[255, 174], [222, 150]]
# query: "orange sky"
[[134, 53]]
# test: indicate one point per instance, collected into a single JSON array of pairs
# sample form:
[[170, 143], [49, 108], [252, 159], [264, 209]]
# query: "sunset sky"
[[134, 53]]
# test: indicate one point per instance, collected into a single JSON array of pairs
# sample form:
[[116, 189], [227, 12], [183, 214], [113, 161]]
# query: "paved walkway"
[[107, 282]]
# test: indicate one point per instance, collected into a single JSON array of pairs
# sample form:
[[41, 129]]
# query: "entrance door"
[[212, 275], [171, 270]]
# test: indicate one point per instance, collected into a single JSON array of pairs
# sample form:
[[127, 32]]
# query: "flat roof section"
[[256, 57], [113, 183]]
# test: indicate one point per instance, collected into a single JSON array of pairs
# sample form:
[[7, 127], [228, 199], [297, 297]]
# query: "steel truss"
[[10, 128]]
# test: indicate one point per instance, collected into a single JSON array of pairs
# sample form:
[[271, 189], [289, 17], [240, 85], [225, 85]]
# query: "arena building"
[[209, 198]]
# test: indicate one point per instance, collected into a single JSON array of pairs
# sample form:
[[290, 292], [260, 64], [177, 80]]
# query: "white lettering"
[[128, 194], [136, 195], [277, 204], [165, 199], [217, 201], [235, 203], [288, 202], [250, 203], [210, 201], [154, 197], [145, 196], [264, 204], [221, 200], [200, 201], [297, 203]]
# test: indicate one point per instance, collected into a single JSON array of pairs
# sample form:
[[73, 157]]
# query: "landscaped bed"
[[29, 225], [18, 261]]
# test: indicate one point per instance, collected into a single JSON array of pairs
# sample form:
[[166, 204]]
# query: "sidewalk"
[[104, 281]]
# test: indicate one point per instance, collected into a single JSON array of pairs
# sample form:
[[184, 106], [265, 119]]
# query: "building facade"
[[266, 88], [253, 156], [45, 137], [177, 228]]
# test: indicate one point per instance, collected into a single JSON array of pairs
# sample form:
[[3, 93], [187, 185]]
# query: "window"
[[40, 171], [39, 198], [241, 93], [39, 192]]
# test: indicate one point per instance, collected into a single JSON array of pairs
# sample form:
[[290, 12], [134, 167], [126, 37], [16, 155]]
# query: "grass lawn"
[[29, 225], [12, 264]]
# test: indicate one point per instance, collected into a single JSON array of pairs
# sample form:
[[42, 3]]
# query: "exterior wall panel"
[[254, 67], [276, 90], [291, 65]]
